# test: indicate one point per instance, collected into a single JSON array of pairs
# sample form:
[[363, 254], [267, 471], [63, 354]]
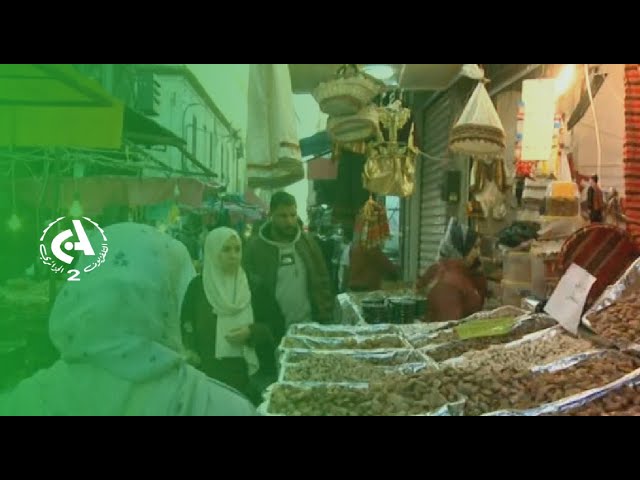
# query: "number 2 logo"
[[74, 276]]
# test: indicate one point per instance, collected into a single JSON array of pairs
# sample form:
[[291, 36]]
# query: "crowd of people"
[[145, 334], [149, 334]]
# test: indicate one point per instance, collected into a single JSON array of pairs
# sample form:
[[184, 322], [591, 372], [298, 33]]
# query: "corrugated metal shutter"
[[433, 211]]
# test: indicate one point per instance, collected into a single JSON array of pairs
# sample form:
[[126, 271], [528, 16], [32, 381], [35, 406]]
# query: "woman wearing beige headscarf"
[[217, 316], [118, 334]]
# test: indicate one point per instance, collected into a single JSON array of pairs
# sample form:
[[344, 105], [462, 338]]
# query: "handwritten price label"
[[567, 302]]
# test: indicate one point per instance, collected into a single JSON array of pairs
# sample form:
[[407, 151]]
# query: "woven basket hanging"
[[347, 94]]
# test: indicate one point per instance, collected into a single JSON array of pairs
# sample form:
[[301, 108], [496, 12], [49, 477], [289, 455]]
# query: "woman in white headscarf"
[[217, 316], [118, 334]]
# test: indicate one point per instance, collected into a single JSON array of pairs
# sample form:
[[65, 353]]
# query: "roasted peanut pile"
[[455, 349], [377, 342], [380, 399], [424, 392], [623, 402], [525, 355], [621, 321], [332, 368]]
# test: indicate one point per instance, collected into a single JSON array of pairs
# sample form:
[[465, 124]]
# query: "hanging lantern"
[[479, 131]]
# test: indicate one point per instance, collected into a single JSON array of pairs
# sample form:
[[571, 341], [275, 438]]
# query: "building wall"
[[185, 113], [609, 108]]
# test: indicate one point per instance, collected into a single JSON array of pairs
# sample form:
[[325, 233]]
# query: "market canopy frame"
[[54, 105]]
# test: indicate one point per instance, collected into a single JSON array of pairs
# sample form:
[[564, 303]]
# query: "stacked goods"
[[533, 197], [481, 392], [562, 200], [491, 364], [516, 281]]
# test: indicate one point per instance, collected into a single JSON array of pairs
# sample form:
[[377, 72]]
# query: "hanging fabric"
[[273, 151]]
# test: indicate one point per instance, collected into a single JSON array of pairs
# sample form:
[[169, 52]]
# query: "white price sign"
[[567, 302]]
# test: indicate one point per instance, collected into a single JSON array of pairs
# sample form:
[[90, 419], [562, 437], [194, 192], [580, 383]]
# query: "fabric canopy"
[[54, 105]]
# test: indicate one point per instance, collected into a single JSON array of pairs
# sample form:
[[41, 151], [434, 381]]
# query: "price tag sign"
[[567, 302]]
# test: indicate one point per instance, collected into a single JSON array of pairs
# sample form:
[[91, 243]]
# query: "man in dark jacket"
[[287, 272], [595, 201]]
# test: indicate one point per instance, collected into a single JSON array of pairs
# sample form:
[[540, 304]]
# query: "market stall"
[[504, 362]]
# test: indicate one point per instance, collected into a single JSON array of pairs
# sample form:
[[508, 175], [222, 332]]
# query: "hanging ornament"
[[372, 225], [479, 131]]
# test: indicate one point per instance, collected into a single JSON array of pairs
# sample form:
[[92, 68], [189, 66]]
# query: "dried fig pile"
[[619, 322], [540, 388], [361, 343], [486, 390], [525, 355], [623, 402], [508, 389], [332, 368], [455, 349]]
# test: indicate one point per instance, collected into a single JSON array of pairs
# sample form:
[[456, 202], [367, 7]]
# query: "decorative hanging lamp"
[[479, 131]]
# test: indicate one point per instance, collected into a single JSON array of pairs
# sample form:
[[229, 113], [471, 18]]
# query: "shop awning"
[[322, 169], [53, 105], [144, 131]]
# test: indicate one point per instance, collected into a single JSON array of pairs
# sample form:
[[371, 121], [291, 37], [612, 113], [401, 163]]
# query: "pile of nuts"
[[416, 397], [332, 368], [455, 349], [623, 402], [528, 354], [620, 321], [485, 391], [362, 343], [312, 331]]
